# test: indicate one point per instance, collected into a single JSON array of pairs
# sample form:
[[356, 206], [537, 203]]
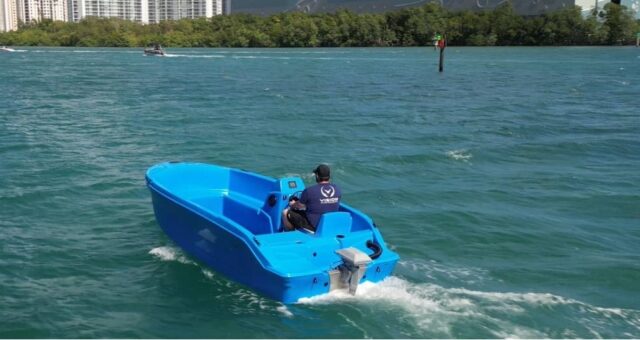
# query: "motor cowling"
[[351, 271]]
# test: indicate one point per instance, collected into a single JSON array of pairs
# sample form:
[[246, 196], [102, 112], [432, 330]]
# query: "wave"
[[460, 155], [437, 309], [244, 300], [205, 56], [433, 271], [171, 254], [622, 82], [285, 311]]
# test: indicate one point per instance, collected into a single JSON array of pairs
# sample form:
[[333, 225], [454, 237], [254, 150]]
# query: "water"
[[509, 185]]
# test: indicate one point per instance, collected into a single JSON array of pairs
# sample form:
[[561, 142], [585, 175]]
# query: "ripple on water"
[[510, 195]]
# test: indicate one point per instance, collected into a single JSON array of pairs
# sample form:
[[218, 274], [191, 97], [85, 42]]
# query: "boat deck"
[[249, 207], [304, 252]]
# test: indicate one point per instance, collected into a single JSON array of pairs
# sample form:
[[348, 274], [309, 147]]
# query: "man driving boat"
[[323, 197]]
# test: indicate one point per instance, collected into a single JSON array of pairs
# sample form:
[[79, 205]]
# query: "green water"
[[509, 185]]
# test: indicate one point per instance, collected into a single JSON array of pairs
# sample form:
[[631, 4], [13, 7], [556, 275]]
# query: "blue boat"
[[231, 220]]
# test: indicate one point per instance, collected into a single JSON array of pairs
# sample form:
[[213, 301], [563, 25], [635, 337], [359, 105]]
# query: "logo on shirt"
[[328, 192]]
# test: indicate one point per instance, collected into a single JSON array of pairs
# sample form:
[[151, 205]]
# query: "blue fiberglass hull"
[[231, 220]]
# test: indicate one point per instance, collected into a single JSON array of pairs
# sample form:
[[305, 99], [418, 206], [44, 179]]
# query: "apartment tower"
[[8, 15], [134, 10], [160, 10]]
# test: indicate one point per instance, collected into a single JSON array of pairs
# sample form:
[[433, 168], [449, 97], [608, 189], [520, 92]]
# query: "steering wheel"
[[296, 194]]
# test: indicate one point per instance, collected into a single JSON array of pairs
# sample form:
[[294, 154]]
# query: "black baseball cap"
[[322, 171]]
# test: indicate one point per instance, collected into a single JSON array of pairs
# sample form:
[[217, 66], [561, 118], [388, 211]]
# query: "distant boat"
[[231, 220], [6, 49], [155, 50]]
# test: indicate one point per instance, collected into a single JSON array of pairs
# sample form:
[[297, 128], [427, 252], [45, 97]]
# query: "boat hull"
[[154, 52], [264, 262]]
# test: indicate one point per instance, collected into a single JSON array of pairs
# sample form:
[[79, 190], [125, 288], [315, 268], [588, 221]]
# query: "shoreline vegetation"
[[612, 25]]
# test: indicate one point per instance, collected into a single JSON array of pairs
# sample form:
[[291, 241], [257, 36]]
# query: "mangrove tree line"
[[613, 25]]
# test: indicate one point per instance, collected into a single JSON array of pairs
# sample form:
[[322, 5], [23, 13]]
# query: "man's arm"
[[299, 204]]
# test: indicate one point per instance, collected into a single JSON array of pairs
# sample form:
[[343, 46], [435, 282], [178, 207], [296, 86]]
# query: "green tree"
[[297, 30], [406, 27], [507, 25], [619, 23], [328, 31]]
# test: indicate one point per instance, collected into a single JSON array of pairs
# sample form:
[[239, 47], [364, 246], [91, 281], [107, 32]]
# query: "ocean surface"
[[509, 185]]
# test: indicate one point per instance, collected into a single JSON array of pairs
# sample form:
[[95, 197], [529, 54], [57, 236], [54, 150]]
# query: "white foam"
[[249, 300], [417, 300], [434, 271], [285, 311], [437, 309], [170, 254], [205, 56], [209, 274], [460, 155], [527, 298], [251, 57], [355, 325]]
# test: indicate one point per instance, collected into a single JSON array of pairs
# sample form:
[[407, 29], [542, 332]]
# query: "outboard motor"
[[350, 271]]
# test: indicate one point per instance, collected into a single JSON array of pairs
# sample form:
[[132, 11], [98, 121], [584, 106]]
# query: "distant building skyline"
[[13, 12], [134, 10], [179, 9]]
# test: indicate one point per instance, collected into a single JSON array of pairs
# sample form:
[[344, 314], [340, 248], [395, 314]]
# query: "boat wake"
[[203, 56], [439, 311], [170, 254], [245, 299]]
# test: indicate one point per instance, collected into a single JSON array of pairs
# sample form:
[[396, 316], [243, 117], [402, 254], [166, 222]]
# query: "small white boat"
[[6, 49]]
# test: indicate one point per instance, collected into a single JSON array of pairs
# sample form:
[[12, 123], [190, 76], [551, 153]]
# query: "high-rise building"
[[12, 12], [38, 10], [178, 9], [54, 10], [9, 15], [134, 10], [144, 11]]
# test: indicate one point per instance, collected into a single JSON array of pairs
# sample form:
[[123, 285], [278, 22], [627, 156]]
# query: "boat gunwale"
[[219, 220], [241, 233]]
